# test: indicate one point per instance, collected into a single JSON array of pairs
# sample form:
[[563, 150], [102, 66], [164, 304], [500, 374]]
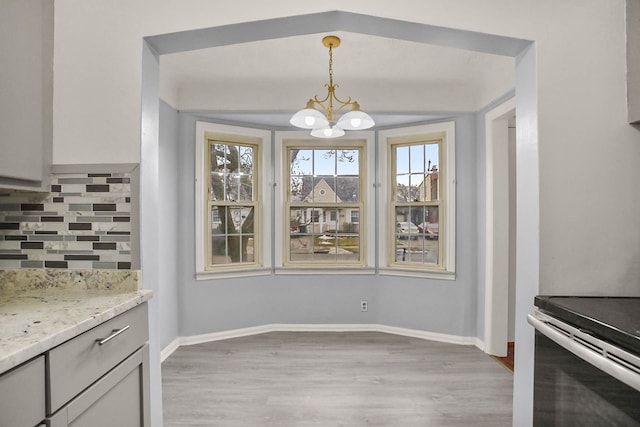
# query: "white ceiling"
[[396, 81]]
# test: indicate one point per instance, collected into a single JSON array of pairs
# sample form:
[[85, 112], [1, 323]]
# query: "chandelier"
[[330, 117]]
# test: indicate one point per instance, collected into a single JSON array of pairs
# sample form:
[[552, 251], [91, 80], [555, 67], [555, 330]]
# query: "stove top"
[[613, 319]]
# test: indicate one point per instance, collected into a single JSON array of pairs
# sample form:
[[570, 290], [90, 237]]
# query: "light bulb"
[[309, 121], [327, 132], [356, 122]]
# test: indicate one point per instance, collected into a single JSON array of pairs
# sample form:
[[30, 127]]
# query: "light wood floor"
[[334, 379]]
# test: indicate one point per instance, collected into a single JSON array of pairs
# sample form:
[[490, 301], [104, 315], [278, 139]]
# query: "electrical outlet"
[[364, 306]]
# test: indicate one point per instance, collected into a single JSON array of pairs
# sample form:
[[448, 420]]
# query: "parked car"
[[429, 230], [406, 230]]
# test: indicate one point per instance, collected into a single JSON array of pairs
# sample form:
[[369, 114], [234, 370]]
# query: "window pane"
[[331, 220], [218, 214], [416, 159], [429, 190], [232, 230], [402, 160], [417, 244], [324, 235], [324, 162], [432, 177], [348, 189], [297, 188], [402, 188], [246, 159], [348, 162], [301, 162], [246, 188], [323, 190], [238, 187], [431, 157], [232, 172], [416, 183], [233, 187]]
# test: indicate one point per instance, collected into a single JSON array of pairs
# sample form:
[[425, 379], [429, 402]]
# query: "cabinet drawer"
[[116, 399], [22, 395], [78, 363]]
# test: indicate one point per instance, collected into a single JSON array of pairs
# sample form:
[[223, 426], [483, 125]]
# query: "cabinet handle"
[[114, 334]]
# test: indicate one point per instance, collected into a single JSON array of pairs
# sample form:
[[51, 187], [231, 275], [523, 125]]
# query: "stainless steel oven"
[[582, 378]]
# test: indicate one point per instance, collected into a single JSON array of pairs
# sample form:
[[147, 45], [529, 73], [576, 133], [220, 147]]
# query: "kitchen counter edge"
[[120, 303]]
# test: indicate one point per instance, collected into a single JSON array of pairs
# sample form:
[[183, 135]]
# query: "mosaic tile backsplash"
[[84, 223]]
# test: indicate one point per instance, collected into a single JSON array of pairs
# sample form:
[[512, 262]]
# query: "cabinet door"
[[22, 395], [26, 93], [120, 398]]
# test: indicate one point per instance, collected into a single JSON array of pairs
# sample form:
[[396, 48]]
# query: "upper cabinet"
[[26, 93], [633, 60]]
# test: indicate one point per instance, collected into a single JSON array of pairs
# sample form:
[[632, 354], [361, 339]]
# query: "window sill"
[[326, 270], [230, 274], [423, 274]]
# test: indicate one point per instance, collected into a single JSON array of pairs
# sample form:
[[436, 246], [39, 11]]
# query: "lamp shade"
[[327, 132], [355, 120], [309, 118]]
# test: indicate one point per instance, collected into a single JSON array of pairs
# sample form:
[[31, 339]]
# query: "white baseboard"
[[294, 327], [168, 350]]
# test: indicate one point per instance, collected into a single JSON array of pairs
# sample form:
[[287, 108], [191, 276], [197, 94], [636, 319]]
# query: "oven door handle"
[[629, 375]]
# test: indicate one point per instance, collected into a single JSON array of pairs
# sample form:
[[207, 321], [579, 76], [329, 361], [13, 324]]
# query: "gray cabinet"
[[98, 378], [633, 61], [119, 398], [101, 377], [26, 93], [22, 391]]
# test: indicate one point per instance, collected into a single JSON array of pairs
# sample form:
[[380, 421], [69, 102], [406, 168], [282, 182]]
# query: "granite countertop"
[[43, 309]]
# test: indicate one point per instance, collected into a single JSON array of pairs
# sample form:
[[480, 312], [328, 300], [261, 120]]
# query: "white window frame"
[[447, 192], [264, 202], [367, 233]]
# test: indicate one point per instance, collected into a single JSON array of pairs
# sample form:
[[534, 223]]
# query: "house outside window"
[[326, 186]]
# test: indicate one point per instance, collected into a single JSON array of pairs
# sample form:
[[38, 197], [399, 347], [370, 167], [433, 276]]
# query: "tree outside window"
[[232, 202]]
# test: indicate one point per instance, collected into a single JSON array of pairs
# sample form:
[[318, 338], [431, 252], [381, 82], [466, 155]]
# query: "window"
[[230, 210], [415, 204], [324, 203], [326, 183], [232, 201], [420, 233]]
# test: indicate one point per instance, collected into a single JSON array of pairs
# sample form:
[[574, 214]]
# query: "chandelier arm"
[[347, 102], [344, 105], [326, 98], [328, 110], [321, 106]]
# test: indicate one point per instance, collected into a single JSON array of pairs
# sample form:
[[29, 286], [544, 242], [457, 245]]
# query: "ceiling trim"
[[335, 21]]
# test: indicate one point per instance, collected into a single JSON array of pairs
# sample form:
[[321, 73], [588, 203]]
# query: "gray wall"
[[447, 307]]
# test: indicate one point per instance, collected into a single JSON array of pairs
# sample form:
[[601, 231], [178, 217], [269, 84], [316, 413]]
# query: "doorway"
[[500, 266]]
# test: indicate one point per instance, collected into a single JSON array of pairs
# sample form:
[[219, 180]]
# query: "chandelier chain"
[[331, 65]]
